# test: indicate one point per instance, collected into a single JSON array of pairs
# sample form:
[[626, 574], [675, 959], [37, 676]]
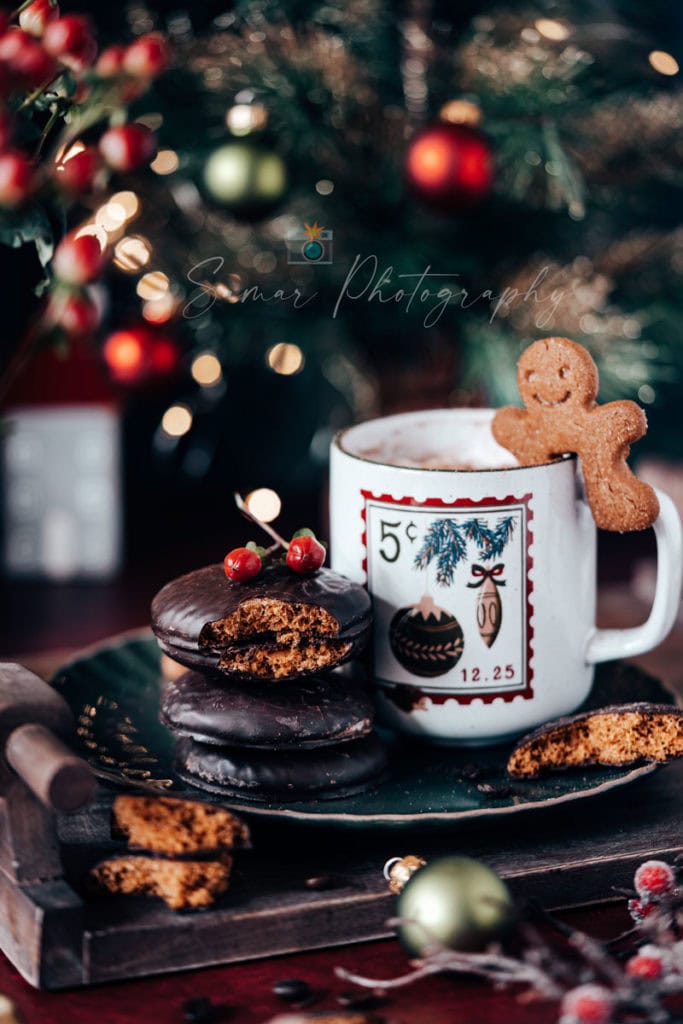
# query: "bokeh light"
[[285, 358], [264, 503], [129, 201], [552, 29], [153, 285], [124, 355], [132, 253], [165, 162], [177, 420], [206, 369], [663, 62]]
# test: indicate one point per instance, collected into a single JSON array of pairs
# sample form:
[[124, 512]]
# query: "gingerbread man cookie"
[[558, 382]]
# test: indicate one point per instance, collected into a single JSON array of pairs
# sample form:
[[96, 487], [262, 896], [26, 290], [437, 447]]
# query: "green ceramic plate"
[[113, 690]]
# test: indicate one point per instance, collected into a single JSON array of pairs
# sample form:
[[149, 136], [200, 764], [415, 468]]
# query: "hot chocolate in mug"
[[482, 574]]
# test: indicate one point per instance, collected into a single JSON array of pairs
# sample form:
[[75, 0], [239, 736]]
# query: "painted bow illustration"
[[484, 574]]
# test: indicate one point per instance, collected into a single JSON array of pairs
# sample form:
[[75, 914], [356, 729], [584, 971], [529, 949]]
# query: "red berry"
[[110, 61], [16, 177], [6, 128], [128, 146], [77, 174], [26, 59], [71, 39], [654, 878], [77, 315], [588, 1004], [648, 962], [242, 564], [147, 57], [640, 909], [36, 17], [305, 554], [78, 259]]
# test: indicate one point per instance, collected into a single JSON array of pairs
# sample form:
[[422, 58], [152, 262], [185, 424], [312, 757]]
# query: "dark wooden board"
[[564, 857]]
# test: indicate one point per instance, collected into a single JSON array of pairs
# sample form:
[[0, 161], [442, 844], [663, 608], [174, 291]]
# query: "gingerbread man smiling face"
[[557, 371], [558, 382]]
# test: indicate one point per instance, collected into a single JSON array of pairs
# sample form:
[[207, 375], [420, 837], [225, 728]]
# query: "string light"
[[132, 253], [158, 311], [244, 118], [111, 216], [663, 62], [165, 162], [153, 285], [177, 420], [552, 29], [460, 112], [324, 187], [124, 355], [285, 358], [264, 503], [206, 369], [129, 201]]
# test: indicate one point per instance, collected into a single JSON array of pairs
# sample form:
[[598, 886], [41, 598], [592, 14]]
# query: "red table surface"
[[245, 990]]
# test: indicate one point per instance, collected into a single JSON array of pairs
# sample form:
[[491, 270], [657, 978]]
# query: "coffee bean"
[[198, 1010], [495, 790], [359, 1000], [292, 990], [320, 882]]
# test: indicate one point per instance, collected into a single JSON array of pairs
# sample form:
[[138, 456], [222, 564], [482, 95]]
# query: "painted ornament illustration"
[[489, 604], [425, 639]]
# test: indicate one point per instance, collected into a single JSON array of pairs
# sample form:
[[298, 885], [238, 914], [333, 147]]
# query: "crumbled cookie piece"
[[181, 884], [176, 827]]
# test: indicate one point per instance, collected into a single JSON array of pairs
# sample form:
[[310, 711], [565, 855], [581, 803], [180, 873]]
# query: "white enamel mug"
[[483, 579]]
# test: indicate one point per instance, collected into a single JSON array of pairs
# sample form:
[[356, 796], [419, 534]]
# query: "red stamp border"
[[441, 696]]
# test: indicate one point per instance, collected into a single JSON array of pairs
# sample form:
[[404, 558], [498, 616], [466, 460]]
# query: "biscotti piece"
[[167, 825], [181, 884], [619, 735]]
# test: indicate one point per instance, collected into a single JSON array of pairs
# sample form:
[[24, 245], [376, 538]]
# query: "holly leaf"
[[253, 546], [304, 532]]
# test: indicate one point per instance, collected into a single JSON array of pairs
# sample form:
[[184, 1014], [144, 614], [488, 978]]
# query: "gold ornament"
[[460, 112], [398, 870]]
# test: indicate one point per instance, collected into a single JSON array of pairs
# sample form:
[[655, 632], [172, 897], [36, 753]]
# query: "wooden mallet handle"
[[60, 779]]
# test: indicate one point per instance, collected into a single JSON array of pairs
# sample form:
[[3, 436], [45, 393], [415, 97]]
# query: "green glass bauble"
[[246, 177], [457, 901]]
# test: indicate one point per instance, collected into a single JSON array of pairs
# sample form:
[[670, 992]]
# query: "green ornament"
[[457, 901], [246, 177]]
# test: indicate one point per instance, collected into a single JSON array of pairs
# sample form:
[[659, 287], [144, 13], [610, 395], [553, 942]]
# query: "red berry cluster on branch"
[[303, 554], [49, 67]]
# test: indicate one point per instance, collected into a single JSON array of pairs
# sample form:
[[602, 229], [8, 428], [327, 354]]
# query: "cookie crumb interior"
[[265, 615], [271, 662], [178, 883], [608, 739], [168, 825]]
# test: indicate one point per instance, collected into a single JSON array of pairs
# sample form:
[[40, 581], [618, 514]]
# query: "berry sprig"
[[303, 554]]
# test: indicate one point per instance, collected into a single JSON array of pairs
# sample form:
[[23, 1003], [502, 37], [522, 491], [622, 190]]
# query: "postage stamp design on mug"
[[451, 586]]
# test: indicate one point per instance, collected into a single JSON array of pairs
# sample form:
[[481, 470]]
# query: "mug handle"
[[606, 644]]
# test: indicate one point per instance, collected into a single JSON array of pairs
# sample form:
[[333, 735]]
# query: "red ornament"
[[16, 178], [588, 1004], [77, 174], [128, 146], [242, 564], [147, 57], [35, 18], [136, 355], [305, 554], [450, 166], [110, 61], [654, 878], [27, 61], [78, 259]]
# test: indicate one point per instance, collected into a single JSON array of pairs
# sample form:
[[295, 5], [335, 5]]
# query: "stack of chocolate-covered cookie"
[[266, 712]]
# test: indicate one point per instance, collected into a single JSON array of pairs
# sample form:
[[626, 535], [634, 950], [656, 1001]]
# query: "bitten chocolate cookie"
[[266, 776], [278, 626], [558, 382], [619, 735], [315, 711]]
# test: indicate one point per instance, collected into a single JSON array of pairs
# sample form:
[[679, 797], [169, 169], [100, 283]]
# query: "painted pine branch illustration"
[[445, 541]]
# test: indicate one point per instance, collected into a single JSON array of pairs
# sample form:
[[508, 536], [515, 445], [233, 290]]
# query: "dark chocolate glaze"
[[182, 608], [316, 711], [283, 776]]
